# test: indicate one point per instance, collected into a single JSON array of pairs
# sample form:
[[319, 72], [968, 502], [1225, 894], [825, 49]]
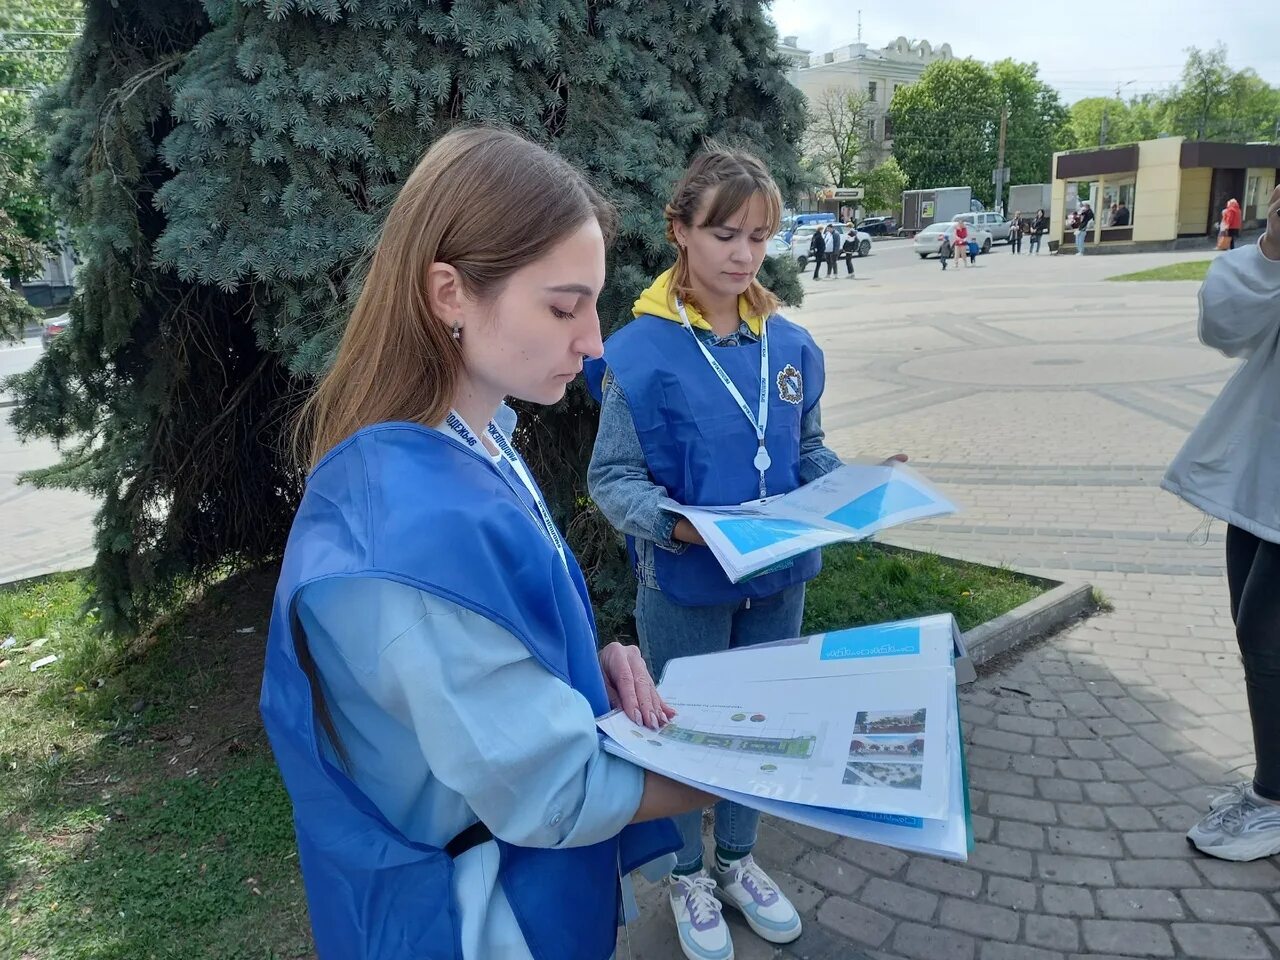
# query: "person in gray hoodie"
[[1230, 469]]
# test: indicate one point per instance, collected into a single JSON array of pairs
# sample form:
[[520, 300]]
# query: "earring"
[[457, 331]]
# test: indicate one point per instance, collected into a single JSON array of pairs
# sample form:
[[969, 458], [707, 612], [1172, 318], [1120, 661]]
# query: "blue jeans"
[[1080, 236], [668, 630]]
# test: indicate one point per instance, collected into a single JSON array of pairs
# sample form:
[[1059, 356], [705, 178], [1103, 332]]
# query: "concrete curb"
[[1056, 607], [1033, 619], [7, 586]]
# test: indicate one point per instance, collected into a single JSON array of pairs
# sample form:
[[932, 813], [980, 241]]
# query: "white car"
[[800, 242], [778, 247], [929, 240], [995, 223]]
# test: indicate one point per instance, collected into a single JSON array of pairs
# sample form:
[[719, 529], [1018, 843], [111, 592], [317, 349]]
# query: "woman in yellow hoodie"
[[710, 398]]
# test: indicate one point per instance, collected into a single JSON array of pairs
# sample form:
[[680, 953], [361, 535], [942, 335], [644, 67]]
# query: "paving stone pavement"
[[1047, 402]]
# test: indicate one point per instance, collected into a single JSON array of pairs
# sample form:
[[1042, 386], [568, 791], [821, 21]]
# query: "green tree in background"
[[883, 184], [226, 166], [1214, 102], [35, 38], [946, 127], [836, 144], [1211, 102], [1038, 122]]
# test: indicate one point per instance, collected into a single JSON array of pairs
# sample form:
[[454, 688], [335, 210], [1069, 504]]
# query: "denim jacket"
[[622, 488]]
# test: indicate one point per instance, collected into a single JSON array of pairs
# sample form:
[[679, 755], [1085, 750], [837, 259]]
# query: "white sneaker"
[[1223, 799], [765, 907], [700, 925], [1242, 827]]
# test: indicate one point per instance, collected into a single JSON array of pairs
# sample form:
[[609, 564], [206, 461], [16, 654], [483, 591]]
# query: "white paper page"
[[850, 503], [902, 645], [945, 838], [875, 743]]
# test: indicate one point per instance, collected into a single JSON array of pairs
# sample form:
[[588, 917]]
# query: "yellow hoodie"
[[659, 301]]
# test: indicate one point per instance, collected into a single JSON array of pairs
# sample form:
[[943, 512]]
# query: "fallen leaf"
[[185, 741], [43, 662]]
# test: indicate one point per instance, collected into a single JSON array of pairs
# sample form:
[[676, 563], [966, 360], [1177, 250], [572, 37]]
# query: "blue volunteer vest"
[[408, 504], [699, 445]]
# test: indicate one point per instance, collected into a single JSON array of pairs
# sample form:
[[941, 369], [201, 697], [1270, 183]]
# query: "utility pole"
[[999, 177], [1102, 128]]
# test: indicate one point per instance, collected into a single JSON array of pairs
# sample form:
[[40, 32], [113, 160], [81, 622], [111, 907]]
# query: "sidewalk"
[[1047, 404]]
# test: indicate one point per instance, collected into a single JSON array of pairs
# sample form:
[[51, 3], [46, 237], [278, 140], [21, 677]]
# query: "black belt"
[[473, 836]]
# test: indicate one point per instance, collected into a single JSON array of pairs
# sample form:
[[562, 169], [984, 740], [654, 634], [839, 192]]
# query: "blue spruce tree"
[[238, 158]]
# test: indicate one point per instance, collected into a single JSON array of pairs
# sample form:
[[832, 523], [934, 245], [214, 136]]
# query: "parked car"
[[993, 223], [778, 246], [879, 226], [797, 220], [929, 239], [54, 327], [800, 243]]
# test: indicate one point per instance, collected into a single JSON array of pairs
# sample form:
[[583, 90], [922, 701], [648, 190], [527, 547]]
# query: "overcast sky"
[[1084, 47]]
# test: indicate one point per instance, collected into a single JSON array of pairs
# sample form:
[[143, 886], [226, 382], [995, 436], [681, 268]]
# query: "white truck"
[[920, 208], [1029, 198]]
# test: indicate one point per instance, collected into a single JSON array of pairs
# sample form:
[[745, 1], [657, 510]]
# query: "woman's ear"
[[681, 233], [447, 297]]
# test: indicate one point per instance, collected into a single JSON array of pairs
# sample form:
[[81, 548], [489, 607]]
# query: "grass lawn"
[[141, 815], [1186, 270], [863, 583]]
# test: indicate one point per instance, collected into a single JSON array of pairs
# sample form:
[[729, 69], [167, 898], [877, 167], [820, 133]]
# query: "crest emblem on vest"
[[790, 384]]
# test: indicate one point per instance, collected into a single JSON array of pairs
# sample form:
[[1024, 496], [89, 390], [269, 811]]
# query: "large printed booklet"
[[855, 732], [850, 503]]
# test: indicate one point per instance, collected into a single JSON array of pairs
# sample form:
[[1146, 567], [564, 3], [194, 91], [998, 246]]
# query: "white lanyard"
[[455, 423], [760, 422]]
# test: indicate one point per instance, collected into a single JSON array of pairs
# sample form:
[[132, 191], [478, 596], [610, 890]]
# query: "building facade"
[[876, 73], [1160, 191]]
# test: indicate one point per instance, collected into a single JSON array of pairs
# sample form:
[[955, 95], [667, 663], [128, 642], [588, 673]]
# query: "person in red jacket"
[[1231, 221]]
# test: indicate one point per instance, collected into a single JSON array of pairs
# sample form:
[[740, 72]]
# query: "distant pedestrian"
[[1121, 216], [818, 250], [960, 240], [833, 250], [1039, 227], [1231, 219], [1015, 232], [847, 250], [1083, 220], [1228, 469]]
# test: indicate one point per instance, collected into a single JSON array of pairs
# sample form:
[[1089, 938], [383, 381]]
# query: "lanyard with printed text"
[[459, 426], [760, 422]]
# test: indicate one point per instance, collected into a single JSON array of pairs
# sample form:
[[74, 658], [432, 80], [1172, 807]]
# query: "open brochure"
[[850, 503], [855, 732]]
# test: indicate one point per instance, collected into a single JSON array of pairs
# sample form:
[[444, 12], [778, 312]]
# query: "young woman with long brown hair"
[[711, 398], [432, 676]]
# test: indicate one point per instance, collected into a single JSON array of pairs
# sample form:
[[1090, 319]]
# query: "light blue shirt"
[[446, 718]]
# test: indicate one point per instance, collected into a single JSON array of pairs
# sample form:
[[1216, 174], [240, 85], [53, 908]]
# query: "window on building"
[[1251, 199], [888, 128], [871, 91], [871, 129], [1117, 206]]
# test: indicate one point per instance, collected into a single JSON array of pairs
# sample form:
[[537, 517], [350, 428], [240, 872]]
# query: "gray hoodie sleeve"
[[1240, 301], [619, 481]]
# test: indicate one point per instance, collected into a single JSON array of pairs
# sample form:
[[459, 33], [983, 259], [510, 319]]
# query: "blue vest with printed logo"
[[700, 446], [409, 504]]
